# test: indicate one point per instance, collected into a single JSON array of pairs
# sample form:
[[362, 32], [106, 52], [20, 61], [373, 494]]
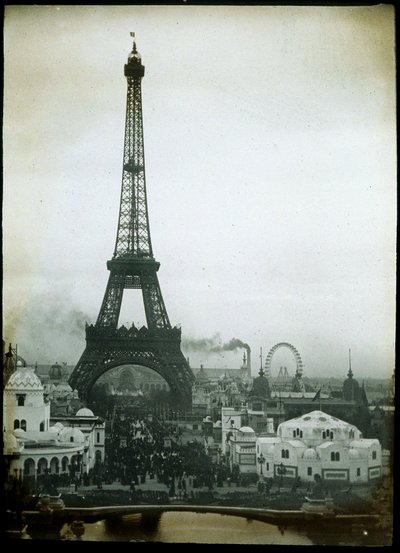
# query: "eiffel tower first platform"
[[156, 346]]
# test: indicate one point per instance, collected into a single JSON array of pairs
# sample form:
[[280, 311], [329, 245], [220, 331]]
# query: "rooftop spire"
[[261, 372], [350, 373]]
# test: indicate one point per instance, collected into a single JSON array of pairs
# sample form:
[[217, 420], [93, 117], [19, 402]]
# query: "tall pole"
[[351, 373]]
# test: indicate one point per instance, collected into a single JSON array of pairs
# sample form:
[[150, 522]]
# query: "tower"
[[133, 265]]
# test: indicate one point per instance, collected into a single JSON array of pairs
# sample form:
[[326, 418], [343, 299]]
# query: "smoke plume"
[[213, 344], [50, 330]]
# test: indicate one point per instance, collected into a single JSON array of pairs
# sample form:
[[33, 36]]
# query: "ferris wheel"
[[296, 355]]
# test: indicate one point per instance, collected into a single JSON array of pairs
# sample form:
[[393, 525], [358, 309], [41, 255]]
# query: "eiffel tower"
[[133, 265]]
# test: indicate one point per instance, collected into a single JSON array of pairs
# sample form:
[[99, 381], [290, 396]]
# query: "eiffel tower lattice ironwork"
[[133, 265]]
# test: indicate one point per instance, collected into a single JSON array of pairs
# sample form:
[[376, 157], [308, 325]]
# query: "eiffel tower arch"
[[157, 345]]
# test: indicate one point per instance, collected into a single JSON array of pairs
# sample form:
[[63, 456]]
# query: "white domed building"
[[91, 427], [242, 450], [317, 443], [33, 449], [24, 405]]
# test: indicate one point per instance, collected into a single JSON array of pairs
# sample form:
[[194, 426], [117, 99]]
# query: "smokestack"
[[247, 348]]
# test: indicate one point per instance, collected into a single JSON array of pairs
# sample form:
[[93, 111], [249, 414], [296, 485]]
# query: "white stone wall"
[[34, 411], [99, 445], [360, 466], [47, 453], [304, 465]]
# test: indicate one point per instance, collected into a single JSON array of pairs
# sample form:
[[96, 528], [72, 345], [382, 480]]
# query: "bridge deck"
[[271, 516]]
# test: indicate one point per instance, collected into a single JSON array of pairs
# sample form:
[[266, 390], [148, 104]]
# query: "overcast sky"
[[270, 168]]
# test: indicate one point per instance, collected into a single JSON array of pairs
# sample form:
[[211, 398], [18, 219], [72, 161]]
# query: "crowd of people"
[[141, 448]]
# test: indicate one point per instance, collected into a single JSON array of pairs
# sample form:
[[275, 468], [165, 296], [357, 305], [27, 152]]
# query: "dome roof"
[[67, 433], [246, 430], [310, 454], [59, 425], [63, 387], [54, 429], [351, 389], [260, 387], [84, 412], [316, 421], [57, 372], [201, 375], [24, 379], [19, 433]]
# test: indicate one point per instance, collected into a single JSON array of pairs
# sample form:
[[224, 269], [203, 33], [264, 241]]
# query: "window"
[[41, 427], [71, 439], [323, 435], [98, 437], [374, 455], [23, 424], [309, 471], [16, 424], [294, 433], [21, 400], [285, 454], [335, 456], [358, 472], [301, 433], [267, 466]]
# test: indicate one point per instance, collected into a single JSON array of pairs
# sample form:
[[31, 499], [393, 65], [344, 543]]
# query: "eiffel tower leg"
[[156, 314], [111, 306]]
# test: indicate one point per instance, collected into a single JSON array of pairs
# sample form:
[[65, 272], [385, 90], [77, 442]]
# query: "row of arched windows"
[[335, 456], [297, 433], [23, 425], [20, 424], [42, 466], [285, 454], [327, 434]]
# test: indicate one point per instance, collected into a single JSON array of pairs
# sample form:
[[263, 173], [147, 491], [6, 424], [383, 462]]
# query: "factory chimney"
[[247, 348]]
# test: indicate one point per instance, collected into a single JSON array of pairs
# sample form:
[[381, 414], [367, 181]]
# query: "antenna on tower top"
[[134, 42]]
